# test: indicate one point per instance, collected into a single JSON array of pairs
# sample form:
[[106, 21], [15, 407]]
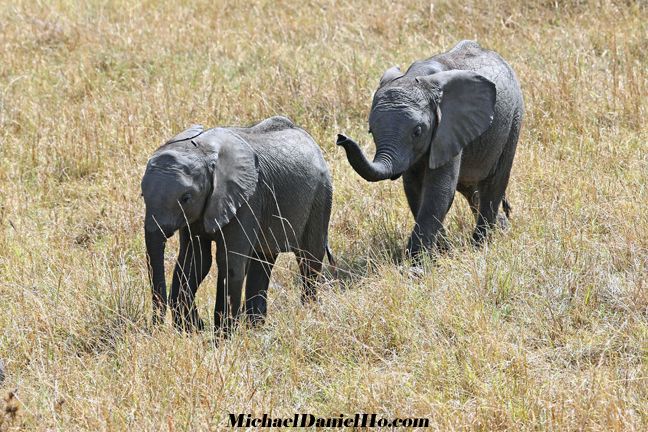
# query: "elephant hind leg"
[[492, 190], [471, 193], [491, 194], [310, 267], [313, 245]]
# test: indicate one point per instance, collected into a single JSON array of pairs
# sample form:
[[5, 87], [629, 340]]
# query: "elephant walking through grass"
[[255, 192], [449, 123]]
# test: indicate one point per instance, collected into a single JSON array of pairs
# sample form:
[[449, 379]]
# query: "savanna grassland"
[[546, 328]]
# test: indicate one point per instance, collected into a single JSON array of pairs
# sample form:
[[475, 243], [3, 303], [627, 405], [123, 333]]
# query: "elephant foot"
[[480, 237], [413, 250], [417, 251], [434, 243], [188, 323], [483, 232], [224, 327], [255, 321]]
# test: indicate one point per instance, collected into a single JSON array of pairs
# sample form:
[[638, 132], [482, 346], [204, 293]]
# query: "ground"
[[546, 328]]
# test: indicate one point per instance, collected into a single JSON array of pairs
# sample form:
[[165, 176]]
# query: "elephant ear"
[[390, 75], [191, 132], [464, 110], [234, 169]]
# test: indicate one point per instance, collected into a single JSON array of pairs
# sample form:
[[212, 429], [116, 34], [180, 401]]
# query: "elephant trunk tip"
[[342, 139]]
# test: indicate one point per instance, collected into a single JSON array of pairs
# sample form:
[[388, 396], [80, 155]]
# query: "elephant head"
[[196, 175], [437, 114]]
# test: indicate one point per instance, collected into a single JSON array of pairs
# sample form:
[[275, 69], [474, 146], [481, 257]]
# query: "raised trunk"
[[155, 243], [380, 169]]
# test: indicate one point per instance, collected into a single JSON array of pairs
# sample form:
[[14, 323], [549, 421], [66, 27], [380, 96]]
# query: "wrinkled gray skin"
[[449, 123], [256, 192]]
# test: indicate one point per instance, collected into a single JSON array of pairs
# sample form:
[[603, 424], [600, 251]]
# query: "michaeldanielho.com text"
[[309, 420]]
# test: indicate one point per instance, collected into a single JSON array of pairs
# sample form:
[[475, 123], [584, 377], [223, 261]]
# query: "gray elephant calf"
[[450, 122], [256, 192]]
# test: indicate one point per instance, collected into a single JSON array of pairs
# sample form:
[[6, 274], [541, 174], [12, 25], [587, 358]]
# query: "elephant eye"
[[185, 198], [418, 130]]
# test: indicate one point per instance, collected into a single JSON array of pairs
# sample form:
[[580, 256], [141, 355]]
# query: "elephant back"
[[271, 124]]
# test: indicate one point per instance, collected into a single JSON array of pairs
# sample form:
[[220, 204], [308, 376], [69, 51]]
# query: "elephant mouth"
[[166, 231], [396, 177]]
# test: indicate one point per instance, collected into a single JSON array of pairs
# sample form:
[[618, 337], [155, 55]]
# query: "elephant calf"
[[451, 122], [256, 192]]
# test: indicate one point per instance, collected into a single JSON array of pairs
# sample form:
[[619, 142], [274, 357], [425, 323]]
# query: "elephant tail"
[[507, 208], [332, 262]]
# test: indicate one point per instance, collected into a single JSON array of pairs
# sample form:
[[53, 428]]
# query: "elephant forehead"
[[395, 117], [176, 161], [391, 98], [168, 180]]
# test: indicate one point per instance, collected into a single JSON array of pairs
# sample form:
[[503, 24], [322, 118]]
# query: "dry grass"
[[545, 329]]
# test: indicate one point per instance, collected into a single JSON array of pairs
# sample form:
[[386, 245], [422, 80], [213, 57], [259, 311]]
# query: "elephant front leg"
[[231, 274], [256, 289], [437, 194], [192, 266], [155, 244], [413, 185], [234, 248]]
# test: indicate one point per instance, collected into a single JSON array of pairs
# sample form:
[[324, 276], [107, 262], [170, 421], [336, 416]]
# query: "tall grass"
[[545, 328]]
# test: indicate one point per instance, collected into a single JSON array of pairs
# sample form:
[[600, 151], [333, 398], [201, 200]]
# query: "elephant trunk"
[[155, 244], [380, 169]]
